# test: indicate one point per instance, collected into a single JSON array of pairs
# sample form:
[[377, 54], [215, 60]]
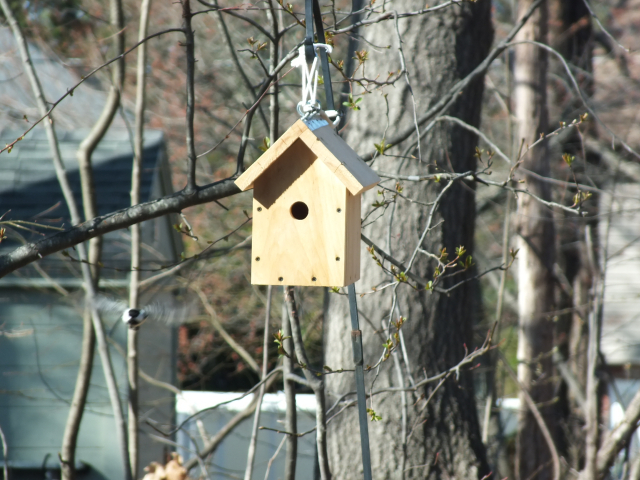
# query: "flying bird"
[[135, 317]]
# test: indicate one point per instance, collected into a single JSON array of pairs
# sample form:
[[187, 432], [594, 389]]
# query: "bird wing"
[[108, 304], [160, 312], [169, 314]]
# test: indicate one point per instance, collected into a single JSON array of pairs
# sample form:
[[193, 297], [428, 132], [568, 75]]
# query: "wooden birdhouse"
[[306, 208]]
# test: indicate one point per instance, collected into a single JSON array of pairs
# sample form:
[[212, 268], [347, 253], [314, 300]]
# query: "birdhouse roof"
[[325, 143]]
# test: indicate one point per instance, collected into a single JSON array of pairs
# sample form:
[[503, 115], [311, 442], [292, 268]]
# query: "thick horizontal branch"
[[118, 220]]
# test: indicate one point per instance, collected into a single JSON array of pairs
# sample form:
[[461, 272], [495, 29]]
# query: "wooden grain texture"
[[332, 150], [312, 251]]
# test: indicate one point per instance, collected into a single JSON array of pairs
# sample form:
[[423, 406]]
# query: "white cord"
[[309, 104]]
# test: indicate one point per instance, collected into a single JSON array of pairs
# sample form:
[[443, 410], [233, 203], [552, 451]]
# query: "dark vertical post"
[[326, 73], [356, 343]]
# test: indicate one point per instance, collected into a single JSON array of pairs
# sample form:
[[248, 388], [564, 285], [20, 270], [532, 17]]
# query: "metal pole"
[[356, 343]]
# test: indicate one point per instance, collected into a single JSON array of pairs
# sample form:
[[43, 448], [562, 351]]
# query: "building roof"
[[29, 188], [56, 77], [324, 142]]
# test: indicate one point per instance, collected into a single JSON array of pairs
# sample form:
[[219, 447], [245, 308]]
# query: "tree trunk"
[[414, 440], [571, 34], [536, 256]]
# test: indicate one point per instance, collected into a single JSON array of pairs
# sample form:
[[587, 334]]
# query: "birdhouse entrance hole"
[[299, 210]]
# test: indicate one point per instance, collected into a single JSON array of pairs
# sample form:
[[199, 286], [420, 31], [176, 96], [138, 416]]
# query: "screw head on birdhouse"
[[307, 189]]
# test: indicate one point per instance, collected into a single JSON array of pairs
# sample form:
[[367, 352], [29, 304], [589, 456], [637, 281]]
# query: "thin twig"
[[251, 453], [236, 62], [536, 414], [231, 11], [390, 15], [604, 30], [291, 420], [190, 84], [273, 458], [215, 441], [239, 349], [469, 358], [179, 266], [405, 71], [134, 279]]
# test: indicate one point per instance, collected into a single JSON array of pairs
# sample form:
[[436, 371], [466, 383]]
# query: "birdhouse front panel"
[[306, 224]]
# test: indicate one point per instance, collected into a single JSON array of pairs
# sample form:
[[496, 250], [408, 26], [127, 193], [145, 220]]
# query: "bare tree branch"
[[580, 93], [390, 15], [76, 409], [291, 420], [615, 440], [191, 65], [231, 11], [110, 222], [316, 384], [236, 61], [134, 280], [251, 453], [239, 349], [84, 154], [570, 379]]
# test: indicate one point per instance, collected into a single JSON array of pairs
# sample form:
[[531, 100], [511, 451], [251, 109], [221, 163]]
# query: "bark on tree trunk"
[[536, 256], [442, 439]]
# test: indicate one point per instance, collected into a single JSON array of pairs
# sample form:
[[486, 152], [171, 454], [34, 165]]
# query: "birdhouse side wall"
[[352, 247], [312, 248]]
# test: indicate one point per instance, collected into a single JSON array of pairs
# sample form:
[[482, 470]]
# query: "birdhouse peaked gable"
[[324, 142]]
